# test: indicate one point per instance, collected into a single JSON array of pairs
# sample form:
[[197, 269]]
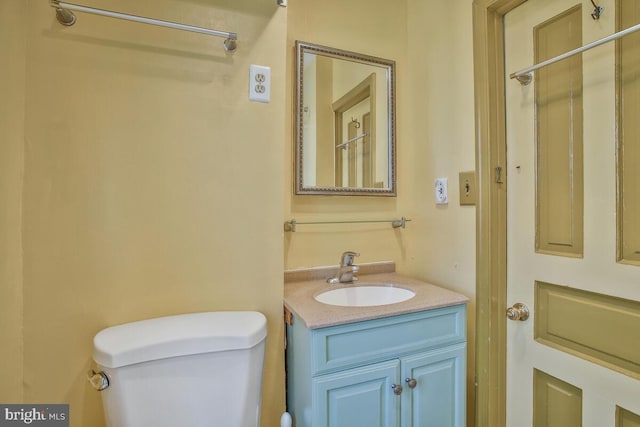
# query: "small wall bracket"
[[524, 79], [597, 11], [64, 16]]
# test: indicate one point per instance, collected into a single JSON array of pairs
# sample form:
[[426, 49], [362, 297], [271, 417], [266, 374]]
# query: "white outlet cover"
[[259, 83], [442, 197]]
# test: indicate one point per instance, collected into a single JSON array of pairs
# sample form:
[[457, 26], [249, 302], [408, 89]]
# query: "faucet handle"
[[348, 257]]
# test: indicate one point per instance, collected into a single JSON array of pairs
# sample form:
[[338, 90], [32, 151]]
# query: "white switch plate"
[[442, 197], [259, 83]]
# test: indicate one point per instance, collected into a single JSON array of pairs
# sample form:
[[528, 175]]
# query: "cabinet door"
[[438, 397], [359, 397]]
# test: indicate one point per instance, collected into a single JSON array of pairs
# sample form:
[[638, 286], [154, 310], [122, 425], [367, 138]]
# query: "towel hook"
[[597, 11]]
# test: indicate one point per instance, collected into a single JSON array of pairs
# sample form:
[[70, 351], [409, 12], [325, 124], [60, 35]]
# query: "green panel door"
[[358, 397], [434, 393]]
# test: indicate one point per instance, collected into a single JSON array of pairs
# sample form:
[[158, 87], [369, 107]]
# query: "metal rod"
[[355, 138], [524, 75], [70, 6], [395, 223]]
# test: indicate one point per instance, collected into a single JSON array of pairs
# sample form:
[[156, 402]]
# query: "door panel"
[[360, 396], [555, 403], [593, 268], [558, 104], [437, 398], [583, 323], [628, 135]]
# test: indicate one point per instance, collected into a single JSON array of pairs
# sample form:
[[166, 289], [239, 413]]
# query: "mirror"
[[345, 123]]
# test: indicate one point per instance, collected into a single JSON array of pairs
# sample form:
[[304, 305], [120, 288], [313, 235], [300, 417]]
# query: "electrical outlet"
[[259, 83], [442, 197]]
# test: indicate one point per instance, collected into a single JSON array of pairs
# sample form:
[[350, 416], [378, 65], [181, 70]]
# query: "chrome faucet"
[[347, 270]]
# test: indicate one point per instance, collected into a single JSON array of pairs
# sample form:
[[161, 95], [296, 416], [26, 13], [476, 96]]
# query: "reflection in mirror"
[[345, 136]]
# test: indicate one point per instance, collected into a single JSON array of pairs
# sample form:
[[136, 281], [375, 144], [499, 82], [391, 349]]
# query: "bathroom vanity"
[[399, 364]]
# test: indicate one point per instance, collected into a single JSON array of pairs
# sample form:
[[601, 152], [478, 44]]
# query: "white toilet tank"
[[196, 370]]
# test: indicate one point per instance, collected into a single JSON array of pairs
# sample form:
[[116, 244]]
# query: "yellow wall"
[[139, 181], [12, 49], [378, 30], [431, 42], [441, 245], [152, 186]]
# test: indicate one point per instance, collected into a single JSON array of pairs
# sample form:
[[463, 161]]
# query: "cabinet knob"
[[411, 382], [397, 389]]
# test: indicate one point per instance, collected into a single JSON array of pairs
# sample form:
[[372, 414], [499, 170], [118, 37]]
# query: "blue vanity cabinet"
[[400, 371]]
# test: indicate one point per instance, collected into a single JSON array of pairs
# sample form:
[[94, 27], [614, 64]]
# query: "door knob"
[[411, 382], [518, 311], [397, 389]]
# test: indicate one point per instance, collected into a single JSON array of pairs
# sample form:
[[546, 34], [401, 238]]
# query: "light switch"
[[468, 192], [259, 83]]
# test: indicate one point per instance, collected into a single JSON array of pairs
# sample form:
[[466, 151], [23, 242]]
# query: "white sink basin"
[[365, 295]]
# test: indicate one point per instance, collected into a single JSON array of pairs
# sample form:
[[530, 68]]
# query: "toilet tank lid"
[[180, 335]]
